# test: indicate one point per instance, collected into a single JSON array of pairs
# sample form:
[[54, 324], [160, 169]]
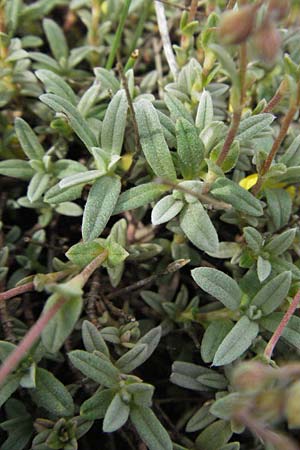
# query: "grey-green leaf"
[[279, 206], [214, 436], [92, 338], [96, 406], [139, 196], [279, 244], [114, 123], [56, 39], [55, 84], [37, 186], [116, 415], [291, 332], [16, 168], [219, 285], [264, 268], [205, 112], [252, 126], [197, 226], [253, 238], [272, 294], [133, 358], [166, 209], [176, 108], [230, 192], [28, 140], [100, 205], [77, 122], [237, 341], [190, 148], [150, 429], [152, 140], [212, 338], [52, 395], [95, 367]]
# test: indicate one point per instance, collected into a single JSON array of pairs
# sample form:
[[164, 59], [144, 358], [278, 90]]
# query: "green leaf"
[[56, 195], [139, 196], [279, 244], [237, 341], [252, 126], [230, 192], [212, 338], [214, 436], [77, 122], [197, 226], [5, 349], [9, 386], [116, 415], [28, 140], [80, 178], [96, 368], [213, 380], [114, 123], [231, 157], [168, 128], [187, 375], [16, 168], [37, 186], [142, 393], [52, 395], [96, 406], [219, 285], [279, 206], [253, 238], [291, 332], [176, 108], [150, 429], [264, 268], [62, 324], [190, 148], [100, 205], [88, 99], [55, 84], [166, 209], [201, 419], [226, 61], [205, 111], [69, 209], [272, 294], [92, 338], [291, 157], [152, 140], [133, 358], [151, 339], [56, 39], [224, 407]]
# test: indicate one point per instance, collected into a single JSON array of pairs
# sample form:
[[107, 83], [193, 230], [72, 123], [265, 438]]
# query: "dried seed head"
[[251, 376], [237, 26]]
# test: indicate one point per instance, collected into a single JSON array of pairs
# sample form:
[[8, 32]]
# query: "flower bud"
[[252, 376], [267, 41], [279, 9], [237, 26]]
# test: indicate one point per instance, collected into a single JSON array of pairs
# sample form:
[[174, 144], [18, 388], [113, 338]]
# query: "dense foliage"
[[149, 224]]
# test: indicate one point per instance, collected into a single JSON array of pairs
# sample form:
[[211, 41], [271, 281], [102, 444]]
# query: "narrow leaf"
[[273, 293], [100, 205], [153, 142], [197, 226], [219, 285], [116, 415], [150, 429], [139, 196], [114, 123], [205, 112], [166, 209], [133, 358], [190, 148], [28, 140], [237, 341], [96, 406], [92, 338]]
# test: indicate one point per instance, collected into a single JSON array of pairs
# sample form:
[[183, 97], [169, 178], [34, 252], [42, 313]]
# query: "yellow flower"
[[248, 182]]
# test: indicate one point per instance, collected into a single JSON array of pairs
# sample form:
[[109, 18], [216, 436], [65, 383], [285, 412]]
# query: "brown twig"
[[281, 327]]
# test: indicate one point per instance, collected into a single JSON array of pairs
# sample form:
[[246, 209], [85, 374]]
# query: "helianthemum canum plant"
[[149, 224]]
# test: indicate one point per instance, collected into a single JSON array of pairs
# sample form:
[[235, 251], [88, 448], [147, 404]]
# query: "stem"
[[14, 292], [237, 114], [29, 339], [279, 330], [90, 268], [117, 39], [193, 10], [140, 26], [277, 97], [288, 118], [163, 29], [230, 4]]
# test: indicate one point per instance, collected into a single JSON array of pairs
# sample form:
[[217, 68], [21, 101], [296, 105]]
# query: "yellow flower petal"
[[248, 182], [292, 191]]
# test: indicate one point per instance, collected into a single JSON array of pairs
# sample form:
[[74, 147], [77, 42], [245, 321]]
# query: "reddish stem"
[[16, 291], [29, 339], [279, 330]]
